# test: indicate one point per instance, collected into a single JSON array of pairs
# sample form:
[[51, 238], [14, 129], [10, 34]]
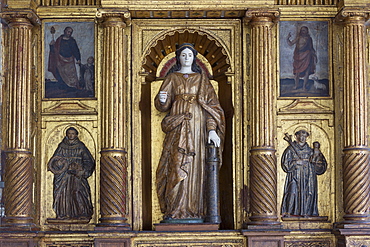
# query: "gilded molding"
[[77, 107], [307, 2], [67, 3]]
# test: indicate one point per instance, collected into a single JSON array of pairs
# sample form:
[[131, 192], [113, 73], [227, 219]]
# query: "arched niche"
[[206, 45], [157, 60], [53, 137]]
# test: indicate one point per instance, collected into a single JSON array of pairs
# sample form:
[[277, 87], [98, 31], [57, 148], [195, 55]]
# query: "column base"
[[113, 223], [356, 219], [264, 221], [19, 223]]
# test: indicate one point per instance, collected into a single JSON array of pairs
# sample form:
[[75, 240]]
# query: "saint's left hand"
[[212, 136]]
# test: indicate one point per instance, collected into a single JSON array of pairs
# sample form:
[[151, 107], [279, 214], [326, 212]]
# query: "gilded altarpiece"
[[227, 49]]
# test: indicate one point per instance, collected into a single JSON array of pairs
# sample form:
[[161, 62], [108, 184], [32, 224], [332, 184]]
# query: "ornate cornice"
[[264, 15], [19, 16], [114, 15]]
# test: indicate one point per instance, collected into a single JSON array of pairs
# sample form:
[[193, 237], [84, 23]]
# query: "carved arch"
[[204, 43]]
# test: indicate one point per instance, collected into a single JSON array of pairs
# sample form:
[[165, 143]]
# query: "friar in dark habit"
[[71, 164], [302, 165]]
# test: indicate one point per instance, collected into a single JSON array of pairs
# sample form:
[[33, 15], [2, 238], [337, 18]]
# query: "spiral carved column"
[[263, 165], [113, 165], [356, 158], [18, 175]]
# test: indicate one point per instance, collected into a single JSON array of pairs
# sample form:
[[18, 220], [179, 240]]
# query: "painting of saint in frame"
[[69, 60], [304, 59]]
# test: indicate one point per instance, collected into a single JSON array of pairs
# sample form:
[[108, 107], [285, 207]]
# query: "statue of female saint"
[[71, 164], [302, 165], [194, 118]]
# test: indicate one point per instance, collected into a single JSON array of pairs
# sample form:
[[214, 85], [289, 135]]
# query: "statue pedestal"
[[165, 227], [69, 224], [301, 218], [68, 221]]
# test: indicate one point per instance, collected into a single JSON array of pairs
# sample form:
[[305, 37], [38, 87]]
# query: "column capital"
[[114, 17], [349, 15], [20, 17], [261, 15]]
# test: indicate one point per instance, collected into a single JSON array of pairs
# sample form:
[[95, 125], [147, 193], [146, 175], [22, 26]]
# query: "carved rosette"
[[113, 180], [18, 175], [263, 167], [356, 159]]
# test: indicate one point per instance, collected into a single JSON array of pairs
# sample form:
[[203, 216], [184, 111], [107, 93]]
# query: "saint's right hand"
[[300, 162]]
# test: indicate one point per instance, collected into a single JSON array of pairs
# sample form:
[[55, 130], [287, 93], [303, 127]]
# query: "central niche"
[[159, 59]]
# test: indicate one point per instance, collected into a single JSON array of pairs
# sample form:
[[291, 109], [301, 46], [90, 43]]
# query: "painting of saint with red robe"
[[304, 59], [69, 60]]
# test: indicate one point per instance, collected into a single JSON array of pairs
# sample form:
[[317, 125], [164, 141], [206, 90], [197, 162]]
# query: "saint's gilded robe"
[[194, 110]]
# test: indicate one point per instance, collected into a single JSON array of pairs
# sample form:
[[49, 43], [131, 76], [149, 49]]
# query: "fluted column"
[[18, 175], [113, 164], [263, 169], [356, 158]]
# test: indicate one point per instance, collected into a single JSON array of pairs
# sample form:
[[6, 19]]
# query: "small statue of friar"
[[71, 164], [302, 165]]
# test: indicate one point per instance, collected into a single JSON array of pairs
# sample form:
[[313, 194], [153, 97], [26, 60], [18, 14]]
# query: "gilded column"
[[263, 167], [113, 164], [19, 171], [356, 157]]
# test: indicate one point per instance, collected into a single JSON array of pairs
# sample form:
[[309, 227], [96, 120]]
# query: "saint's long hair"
[[177, 66]]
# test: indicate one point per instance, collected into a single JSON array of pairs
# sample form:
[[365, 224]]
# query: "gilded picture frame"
[[69, 60], [304, 59]]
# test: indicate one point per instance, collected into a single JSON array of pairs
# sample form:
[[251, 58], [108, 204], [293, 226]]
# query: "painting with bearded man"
[[69, 60], [304, 59]]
